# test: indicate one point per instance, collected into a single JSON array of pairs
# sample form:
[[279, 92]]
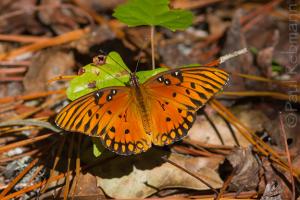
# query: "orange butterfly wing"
[[176, 95], [109, 114]]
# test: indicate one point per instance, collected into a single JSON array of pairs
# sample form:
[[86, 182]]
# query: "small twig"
[[232, 55], [19, 177], [190, 173], [257, 15], [24, 142], [196, 152], [207, 145], [188, 5], [152, 47], [78, 168], [30, 96], [21, 38], [29, 153], [32, 187], [292, 84], [226, 184], [57, 156], [30, 122], [47, 103], [61, 39], [283, 134], [276, 95], [229, 196], [67, 184], [61, 78], [226, 57], [13, 70]]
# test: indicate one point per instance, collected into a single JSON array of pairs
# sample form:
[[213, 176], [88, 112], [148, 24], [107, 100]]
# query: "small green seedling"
[[153, 13]]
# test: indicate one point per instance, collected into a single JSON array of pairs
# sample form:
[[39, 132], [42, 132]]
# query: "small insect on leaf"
[[153, 13]]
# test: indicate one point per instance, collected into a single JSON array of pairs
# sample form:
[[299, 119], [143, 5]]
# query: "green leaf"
[[153, 13], [145, 75], [107, 75], [113, 73], [98, 148]]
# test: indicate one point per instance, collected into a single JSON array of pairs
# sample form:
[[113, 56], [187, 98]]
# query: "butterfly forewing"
[[176, 95]]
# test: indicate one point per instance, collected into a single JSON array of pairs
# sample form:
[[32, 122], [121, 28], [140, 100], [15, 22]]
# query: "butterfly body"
[[140, 99], [128, 119]]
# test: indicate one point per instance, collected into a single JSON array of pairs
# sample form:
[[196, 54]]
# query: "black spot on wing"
[[87, 126], [97, 96], [112, 129], [167, 81], [160, 79], [95, 130], [109, 97], [193, 85], [177, 74]]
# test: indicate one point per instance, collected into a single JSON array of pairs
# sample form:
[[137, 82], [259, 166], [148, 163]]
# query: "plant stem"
[[152, 47]]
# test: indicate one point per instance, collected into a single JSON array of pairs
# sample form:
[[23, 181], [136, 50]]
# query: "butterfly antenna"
[[129, 72], [106, 54], [116, 78], [137, 64]]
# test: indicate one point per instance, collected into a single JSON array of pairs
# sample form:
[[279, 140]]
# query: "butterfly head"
[[134, 80]]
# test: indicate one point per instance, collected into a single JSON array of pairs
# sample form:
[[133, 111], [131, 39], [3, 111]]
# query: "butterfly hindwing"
[[125, 133], [171, 121], [109, 114], [176, 95]]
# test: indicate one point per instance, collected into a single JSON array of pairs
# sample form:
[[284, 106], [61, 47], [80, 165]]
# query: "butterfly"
[[129, 119]]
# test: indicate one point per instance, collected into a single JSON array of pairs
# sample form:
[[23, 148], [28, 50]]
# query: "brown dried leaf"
[[272, 192], [246, 170], [87, 187], [46, 65], [203, 131], [142, 175], [23, 21], [61, 19]]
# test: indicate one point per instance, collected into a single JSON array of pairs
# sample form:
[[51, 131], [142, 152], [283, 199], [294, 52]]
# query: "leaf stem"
[[152, 46]]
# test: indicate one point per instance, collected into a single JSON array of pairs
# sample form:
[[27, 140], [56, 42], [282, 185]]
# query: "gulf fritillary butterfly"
[[128, 119]]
